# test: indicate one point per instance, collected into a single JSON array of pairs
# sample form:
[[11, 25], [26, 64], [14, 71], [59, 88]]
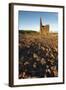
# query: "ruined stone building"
[[44, 29]]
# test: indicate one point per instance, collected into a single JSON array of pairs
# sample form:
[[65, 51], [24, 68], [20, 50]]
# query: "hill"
[[38, 55]]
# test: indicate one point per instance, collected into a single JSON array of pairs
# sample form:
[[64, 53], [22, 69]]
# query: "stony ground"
[[38, 55]]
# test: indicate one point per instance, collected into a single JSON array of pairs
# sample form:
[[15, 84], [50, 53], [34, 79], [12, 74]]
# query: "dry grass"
[[50, 39], [38, 55]]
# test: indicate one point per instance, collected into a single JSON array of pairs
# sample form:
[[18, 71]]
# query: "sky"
[[30, 20]]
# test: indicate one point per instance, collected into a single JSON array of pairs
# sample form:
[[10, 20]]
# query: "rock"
[[34, 65], [52, 56], [43, 61], [38, 59], [26, 63], [35, 55], [43, 48]]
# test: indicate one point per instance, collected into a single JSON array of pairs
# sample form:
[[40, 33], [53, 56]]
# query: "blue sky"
[[30, 20]]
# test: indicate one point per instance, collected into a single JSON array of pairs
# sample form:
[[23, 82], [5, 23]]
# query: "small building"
[[44, 29]]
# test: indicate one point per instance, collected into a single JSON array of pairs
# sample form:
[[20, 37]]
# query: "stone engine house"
[[44, 29]]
